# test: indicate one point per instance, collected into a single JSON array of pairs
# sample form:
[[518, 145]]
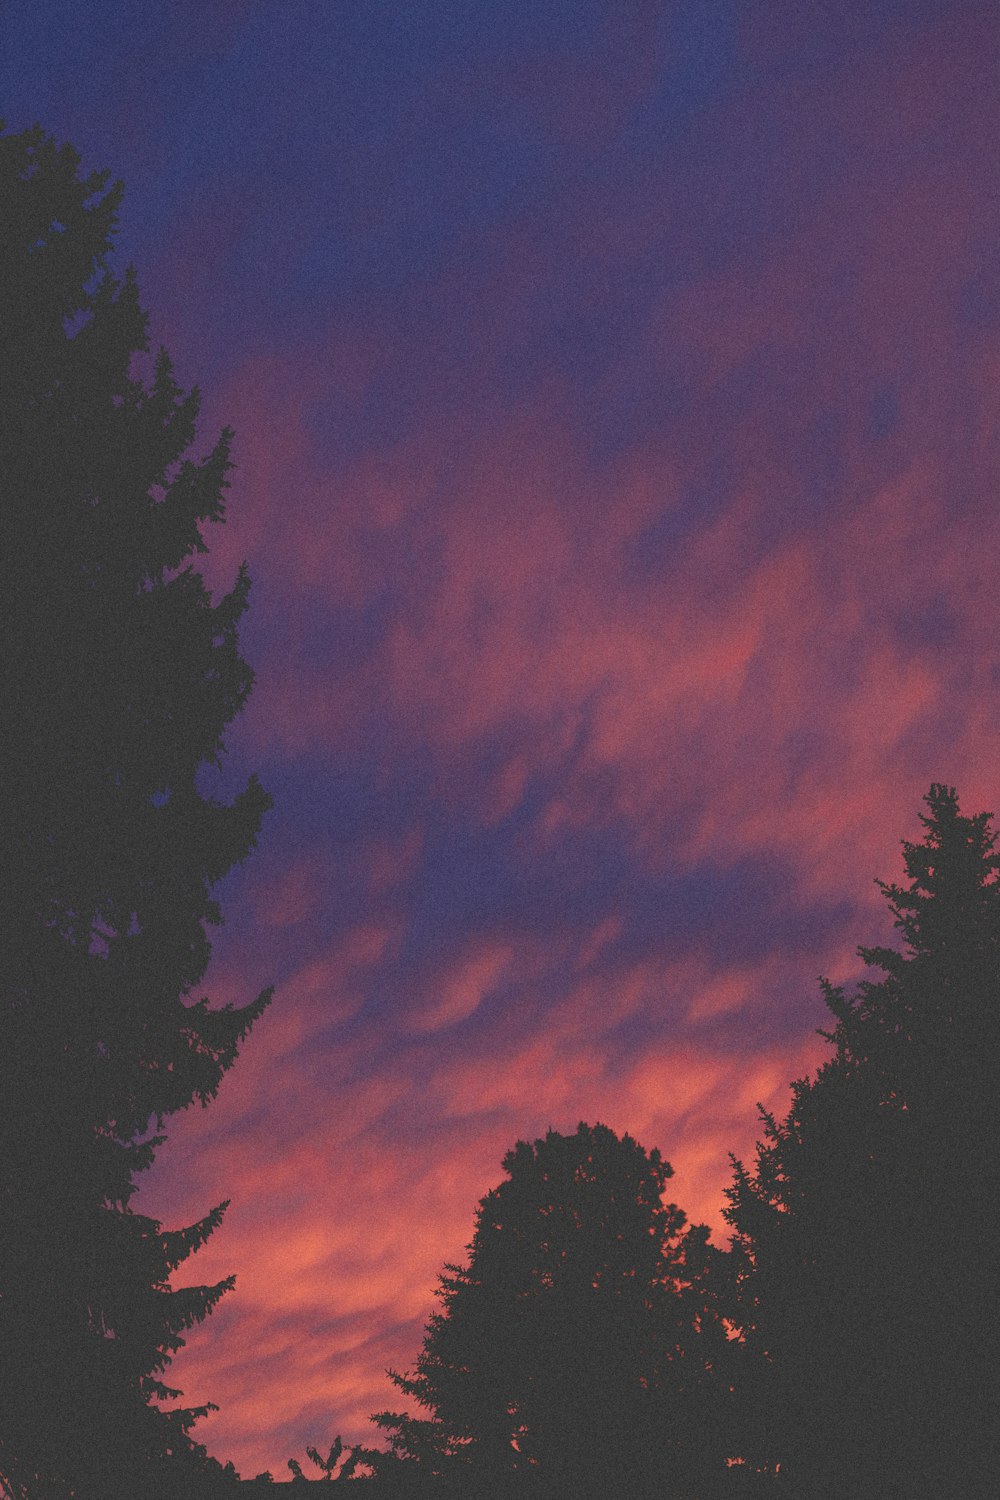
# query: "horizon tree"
[[867, 1227], [119, 676], [580, 1349]]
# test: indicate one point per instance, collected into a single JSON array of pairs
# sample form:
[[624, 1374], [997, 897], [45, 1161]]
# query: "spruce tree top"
[[119, 673]]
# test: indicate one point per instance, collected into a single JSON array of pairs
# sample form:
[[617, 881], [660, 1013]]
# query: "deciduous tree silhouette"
[[579, 1351], [868, 1226], [119, 675], [336, 1466]]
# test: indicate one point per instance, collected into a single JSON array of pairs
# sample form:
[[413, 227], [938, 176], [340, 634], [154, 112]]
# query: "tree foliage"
[[119, 675], [867, 1226], [581, 1347], [337, 1465]]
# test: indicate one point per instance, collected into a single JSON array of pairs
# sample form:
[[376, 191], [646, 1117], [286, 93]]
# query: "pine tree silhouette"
[[868, 1225], [119, 675]]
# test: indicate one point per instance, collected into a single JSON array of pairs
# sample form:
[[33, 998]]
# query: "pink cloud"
[[766, 687], [362, 1236], [460, 993]]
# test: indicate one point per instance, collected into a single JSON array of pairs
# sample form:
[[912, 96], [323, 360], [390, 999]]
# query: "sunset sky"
[[616, 391]]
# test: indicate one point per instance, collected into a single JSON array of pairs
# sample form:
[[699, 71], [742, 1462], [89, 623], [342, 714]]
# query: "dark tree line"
[[118, 675], [593, 1344], [844, 1346]]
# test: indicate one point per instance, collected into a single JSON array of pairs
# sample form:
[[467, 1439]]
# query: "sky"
[[616, 393]]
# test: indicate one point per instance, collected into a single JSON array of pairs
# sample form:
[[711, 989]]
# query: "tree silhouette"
[[119, 675], [337, 1465], [868, 1226], [579, 1351]]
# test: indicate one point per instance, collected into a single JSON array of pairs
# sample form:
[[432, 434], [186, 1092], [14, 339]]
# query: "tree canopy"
[[119, 676], [580, 1347], [586, 1344], [866, 1227]]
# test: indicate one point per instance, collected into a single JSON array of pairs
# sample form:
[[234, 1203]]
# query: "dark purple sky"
[[616, 391]]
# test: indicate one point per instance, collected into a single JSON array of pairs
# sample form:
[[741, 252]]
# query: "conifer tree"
[[867, 1228], [119, 675]]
